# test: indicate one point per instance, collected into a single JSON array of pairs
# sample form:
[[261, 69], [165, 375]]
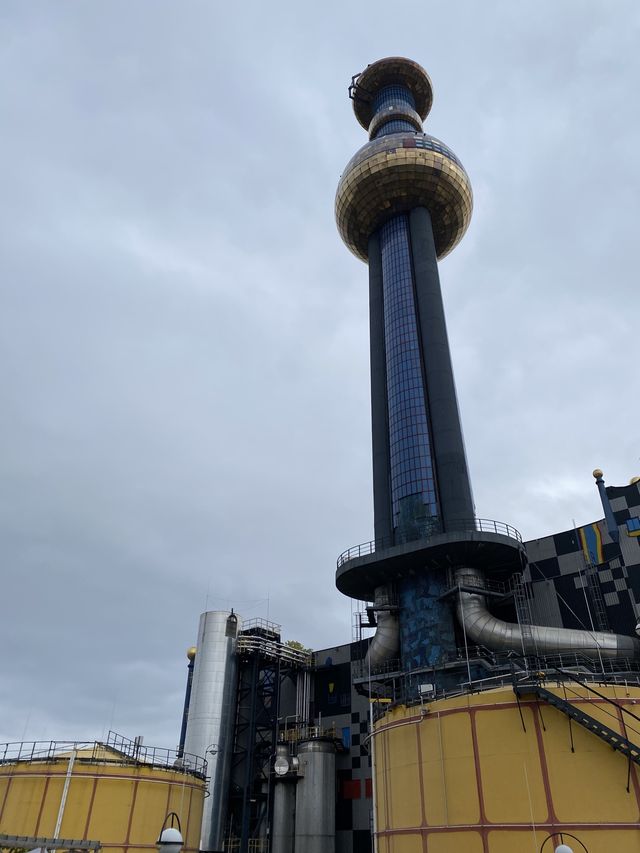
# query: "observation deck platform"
[[493, 546]]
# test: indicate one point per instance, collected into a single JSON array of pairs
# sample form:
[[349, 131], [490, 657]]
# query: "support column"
[[383, 523]]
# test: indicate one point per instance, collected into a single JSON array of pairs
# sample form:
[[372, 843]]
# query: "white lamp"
[[562, 847], [171, 840]]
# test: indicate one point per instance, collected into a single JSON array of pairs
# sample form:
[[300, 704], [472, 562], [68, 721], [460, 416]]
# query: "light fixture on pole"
[[170, 840], [562, 847]]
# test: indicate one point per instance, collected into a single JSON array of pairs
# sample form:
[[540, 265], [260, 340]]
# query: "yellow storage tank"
[[493, 773], [117, 793]]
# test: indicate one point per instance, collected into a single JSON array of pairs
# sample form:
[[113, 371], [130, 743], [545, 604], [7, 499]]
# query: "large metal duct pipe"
[[385, 644], [210, 723], [315, 824], [484, 629]]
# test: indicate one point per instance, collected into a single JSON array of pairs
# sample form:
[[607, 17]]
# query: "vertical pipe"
[[284, 806], [249, 757], [187, 698], [65, 791], [374, 786], [612, 527]]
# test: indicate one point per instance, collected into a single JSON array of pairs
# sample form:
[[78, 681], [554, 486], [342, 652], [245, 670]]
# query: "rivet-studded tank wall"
[[211, 717]]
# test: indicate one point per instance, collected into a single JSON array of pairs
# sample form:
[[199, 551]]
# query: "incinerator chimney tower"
[[403, 202]]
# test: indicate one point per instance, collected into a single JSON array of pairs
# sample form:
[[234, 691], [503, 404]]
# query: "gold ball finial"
[[634, 480], [597, 473], [191, 652]]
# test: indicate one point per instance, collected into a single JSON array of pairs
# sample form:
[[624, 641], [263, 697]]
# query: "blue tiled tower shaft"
[[421, 480]]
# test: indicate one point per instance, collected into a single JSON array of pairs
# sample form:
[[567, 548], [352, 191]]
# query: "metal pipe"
[[284, 808], [65, 791], [385, 644], [612, 526], [191, 653], [484, 629]]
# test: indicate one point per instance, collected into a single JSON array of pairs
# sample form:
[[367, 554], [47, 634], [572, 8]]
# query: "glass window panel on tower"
[[412, 470]]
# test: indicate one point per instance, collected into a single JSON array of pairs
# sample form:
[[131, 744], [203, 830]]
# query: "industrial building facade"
[[467, 727]]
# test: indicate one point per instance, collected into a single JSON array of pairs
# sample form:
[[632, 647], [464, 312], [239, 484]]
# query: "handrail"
[[600, 695], [433, 527], [117, 749], [254, 644]]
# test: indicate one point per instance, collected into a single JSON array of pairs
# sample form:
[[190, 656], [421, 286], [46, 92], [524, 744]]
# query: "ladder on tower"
[[523, 612], [595, 594], [614, 739]]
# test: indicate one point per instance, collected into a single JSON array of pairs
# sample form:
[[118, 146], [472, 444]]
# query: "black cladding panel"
[[566, 542]]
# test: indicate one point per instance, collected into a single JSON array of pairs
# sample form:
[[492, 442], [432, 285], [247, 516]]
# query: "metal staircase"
[[615, 740]]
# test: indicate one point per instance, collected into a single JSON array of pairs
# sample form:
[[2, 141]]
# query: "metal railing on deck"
[[117, 749], [431, 529], [273, 650], [403, 686], [296, 733], [256, 845]]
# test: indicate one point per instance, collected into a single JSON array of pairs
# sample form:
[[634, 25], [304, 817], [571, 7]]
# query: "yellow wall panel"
[[151, 800], [111, 809], [4, 784], [381, 805], [512, 783], [51, 805], [455, 842], [613, 841], [192, 837], [405, 777], [23, 805], [589, 783], [406, 844], [526, 841], [383, 845], [76, 808], [460, 770], [433, 771]]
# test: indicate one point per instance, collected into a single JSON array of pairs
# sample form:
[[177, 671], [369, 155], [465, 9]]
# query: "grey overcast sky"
[[184, 415]]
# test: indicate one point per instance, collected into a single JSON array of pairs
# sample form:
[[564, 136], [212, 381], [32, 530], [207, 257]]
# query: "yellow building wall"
[[121, 805], [466, 776]]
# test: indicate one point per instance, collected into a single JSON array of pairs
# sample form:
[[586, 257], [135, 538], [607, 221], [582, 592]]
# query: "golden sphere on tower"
[[634, 480], [191, 652], [597, 473], [400, 170]]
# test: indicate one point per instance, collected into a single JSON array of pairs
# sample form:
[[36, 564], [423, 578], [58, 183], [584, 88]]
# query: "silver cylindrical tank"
[[284, 802], [315, 823], [211, 718]]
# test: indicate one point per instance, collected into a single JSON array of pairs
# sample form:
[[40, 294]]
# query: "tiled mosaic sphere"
[[396, 173]]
